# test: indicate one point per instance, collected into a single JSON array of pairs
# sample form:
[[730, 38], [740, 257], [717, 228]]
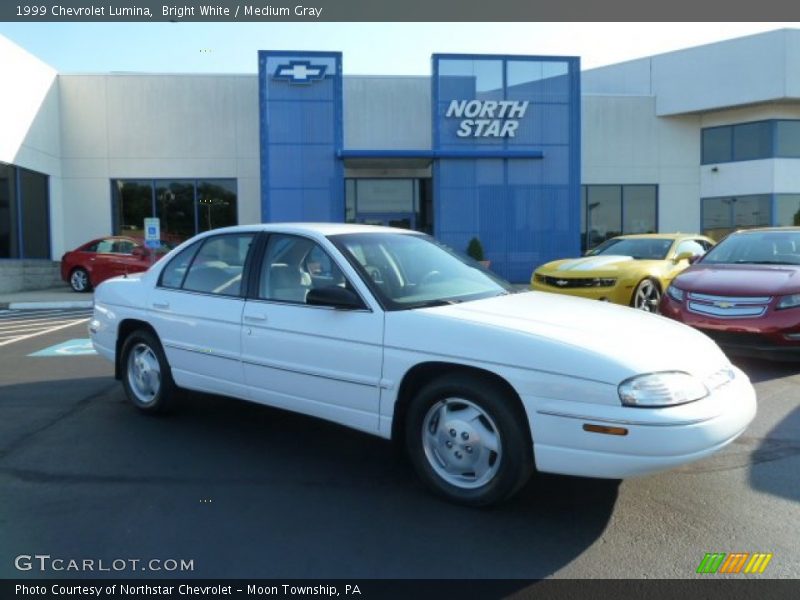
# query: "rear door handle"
[[255, 317], [161, 305]]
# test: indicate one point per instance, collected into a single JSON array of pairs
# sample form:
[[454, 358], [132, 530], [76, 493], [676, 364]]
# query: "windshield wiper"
[[760, 262], [437, 302]]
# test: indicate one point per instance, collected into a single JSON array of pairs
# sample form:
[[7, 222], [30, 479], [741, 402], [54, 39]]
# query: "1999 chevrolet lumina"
[[389, 332]]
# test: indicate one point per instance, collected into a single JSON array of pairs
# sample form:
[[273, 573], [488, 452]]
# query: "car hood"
[[741, 280], [556, 333], [576, 267]]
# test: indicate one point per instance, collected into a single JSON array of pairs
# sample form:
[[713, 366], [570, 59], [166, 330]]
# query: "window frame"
[[244, 287], [257, 270]]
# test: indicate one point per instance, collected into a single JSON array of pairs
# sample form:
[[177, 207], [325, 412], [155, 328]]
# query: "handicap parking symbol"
[[77, 347]]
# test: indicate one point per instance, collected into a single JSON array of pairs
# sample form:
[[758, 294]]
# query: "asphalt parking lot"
[[247, 491]]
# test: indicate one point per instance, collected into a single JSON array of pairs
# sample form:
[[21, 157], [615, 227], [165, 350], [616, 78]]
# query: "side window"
[[693, 246], [122, 247], [294, 265], [173, 274], [218, 266], [105, 246]]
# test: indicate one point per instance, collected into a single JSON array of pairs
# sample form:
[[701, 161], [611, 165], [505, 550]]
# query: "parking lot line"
[[42, 332], [30, 327]]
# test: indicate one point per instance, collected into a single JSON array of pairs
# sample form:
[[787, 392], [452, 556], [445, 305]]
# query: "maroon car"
[[744, 293], [103, 258]]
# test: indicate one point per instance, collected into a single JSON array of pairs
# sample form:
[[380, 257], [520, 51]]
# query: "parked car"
[[389, 332], [632, 270], [745, 293], [103, 258]]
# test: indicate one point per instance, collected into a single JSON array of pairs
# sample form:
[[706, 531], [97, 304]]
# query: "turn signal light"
[[605, 429]]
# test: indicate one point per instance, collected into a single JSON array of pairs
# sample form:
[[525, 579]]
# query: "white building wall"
[[623, 142], [29, 122], [387, 113], [120, 126]]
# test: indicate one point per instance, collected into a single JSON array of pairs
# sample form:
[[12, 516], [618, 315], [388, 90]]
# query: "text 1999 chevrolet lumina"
[[389, 332]]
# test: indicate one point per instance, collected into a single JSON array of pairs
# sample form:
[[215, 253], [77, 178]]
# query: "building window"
[[24, 213], [723, 215], [612, 210], [751, 141], [787, 210], [184, 207]]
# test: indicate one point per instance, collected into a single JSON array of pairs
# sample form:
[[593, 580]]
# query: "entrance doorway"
[[404, 203], [402, 220]]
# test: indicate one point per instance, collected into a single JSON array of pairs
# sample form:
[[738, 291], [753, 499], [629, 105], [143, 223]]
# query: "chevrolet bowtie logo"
[[721, 304], [562, 282], [300, 71]]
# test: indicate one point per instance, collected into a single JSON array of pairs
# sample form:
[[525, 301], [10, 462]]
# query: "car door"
[[196, 309], [317, 360]]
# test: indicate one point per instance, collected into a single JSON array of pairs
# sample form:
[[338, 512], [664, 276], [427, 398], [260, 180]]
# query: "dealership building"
[[535, 158]]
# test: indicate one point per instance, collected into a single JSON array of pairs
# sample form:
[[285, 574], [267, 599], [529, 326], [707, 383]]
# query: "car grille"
[[575, 282], [728, 307]]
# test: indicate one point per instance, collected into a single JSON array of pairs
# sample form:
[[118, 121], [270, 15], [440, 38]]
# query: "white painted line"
[[21, 327], [60, 304], [22, 316], [51, 329], [43, 320]]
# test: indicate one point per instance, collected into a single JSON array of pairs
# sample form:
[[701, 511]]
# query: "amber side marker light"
[[604, 429]]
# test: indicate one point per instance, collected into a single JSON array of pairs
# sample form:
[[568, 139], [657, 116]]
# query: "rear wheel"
[[147, 378], [646, 296], [468, 441], [79, 280]]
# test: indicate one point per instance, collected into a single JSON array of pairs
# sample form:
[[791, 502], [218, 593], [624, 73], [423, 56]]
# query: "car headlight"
[[788, 302], [667, 388], [676, 293]]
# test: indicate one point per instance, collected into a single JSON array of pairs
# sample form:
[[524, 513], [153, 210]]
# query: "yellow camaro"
[[630, 269]]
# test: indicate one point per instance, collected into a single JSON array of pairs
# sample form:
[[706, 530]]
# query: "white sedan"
[[389, 332]]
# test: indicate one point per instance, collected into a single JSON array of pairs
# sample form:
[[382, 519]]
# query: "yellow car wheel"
[[646, 296]]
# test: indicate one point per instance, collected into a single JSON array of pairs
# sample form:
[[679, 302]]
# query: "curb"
[[48, 305]]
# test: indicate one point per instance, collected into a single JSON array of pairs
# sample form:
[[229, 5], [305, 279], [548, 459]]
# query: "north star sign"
[[487, 118]]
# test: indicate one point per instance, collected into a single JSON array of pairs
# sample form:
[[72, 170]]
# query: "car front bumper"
[[619, 294], [776, 335], [656, 438]]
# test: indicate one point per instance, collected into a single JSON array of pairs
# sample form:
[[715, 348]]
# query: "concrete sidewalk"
[[57, 297]]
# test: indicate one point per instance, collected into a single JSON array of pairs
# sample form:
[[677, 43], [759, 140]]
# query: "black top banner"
[[266, 11]]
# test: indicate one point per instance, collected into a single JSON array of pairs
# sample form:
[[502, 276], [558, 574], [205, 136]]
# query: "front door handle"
[[161, 305]]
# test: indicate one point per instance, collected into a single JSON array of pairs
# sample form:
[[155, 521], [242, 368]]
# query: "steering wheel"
[[375, 274], [429, 277]]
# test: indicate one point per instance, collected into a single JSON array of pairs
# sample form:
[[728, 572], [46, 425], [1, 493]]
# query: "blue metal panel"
[[300, 105], [519, 194]]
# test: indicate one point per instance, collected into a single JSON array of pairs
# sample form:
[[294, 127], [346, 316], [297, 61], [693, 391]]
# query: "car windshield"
[[638, 248], [757, 248], [413, 270]]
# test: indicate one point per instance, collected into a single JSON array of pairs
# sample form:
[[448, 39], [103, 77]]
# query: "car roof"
[[767, 230], [662, 236], [324, 229]]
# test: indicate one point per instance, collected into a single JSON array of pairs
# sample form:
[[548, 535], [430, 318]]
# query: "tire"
[[482, 453], [79, 280], [646, 296], [146, 375]]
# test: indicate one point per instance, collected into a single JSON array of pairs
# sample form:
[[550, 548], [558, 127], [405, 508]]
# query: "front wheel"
[[468, 441], [147, 378], [646, 296]]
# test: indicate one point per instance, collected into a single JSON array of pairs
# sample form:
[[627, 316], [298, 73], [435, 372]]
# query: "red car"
[[744, 293], [103, 258]]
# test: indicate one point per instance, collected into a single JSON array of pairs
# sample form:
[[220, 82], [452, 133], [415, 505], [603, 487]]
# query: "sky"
[[369, 48]]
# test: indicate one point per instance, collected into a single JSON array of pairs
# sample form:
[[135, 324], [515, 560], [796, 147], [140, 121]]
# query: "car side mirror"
[[335, 297], [690, 256], [139, 251]]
